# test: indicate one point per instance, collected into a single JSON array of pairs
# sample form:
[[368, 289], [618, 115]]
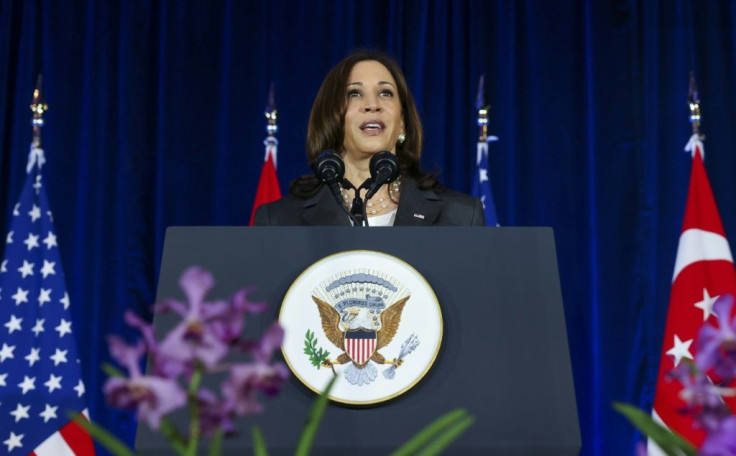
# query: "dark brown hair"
[[326, 122]]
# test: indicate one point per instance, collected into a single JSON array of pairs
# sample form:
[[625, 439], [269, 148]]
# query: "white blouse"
[[386, 219]]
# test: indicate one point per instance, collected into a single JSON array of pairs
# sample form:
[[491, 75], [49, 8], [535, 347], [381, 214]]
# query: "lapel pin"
[[419, 216]]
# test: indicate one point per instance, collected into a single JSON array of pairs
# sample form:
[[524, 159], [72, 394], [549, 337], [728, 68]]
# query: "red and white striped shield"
[[360, 344]]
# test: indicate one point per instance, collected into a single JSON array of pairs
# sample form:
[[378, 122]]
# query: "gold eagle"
[[390, 319]]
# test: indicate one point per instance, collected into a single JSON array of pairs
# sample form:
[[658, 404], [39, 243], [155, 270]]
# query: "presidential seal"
[[366, 317]]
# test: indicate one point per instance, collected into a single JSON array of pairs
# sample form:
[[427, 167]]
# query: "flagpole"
[[271, 123], [693, 100], [38, 107]]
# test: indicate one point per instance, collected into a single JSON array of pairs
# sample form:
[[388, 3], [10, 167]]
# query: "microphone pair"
[[330, 169]]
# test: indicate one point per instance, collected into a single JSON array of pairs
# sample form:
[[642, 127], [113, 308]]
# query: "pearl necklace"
[[373, 208]]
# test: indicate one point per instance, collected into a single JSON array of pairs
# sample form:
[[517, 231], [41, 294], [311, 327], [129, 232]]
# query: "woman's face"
[[373, 118]]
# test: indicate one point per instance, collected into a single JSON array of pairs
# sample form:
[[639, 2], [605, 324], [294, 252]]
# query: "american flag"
[[40, 380], [704, 270], [481, 181], [482, 184]]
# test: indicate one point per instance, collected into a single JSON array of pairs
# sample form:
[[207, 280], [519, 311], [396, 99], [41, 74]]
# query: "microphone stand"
[[357, 210]]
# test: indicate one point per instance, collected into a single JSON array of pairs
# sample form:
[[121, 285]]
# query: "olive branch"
[[317, 355]]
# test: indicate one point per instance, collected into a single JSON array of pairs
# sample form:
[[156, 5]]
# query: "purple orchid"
[[153, 396], [721, 442], [716, 346], [214, 414], [703, 399], [246, 379], [229, 326], [162, 366], [193, 339], [197, 345]]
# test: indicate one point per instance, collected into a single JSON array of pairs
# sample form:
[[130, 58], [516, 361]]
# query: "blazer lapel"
[[417, 207], [322, 209]]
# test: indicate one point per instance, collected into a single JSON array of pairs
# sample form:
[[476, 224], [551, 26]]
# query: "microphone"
[[384, 168], [329, 168]]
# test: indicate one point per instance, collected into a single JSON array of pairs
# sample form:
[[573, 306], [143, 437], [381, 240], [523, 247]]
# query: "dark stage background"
[[157, 119]]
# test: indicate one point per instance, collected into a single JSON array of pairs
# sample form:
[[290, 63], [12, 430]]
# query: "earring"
[[402, 138]]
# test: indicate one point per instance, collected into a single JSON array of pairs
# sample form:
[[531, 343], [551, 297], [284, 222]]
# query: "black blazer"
[[416, 208]]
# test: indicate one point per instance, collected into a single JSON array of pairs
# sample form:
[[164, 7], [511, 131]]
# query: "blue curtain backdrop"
[[157, 119]]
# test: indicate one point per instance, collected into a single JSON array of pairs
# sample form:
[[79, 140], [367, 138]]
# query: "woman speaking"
[[364, 108]]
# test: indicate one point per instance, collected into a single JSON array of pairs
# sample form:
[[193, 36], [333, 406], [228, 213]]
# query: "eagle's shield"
[[360, 344]]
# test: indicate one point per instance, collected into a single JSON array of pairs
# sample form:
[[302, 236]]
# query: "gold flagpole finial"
[[693, 100], [38, 107]]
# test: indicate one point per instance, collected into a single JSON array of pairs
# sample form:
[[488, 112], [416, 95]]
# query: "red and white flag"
[[268, 184], [704, 270]]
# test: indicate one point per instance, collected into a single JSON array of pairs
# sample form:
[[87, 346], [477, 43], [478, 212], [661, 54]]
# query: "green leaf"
[[259, 443], [173, 435], [102, 435], [216, 444], [434, 430], [112, 371], [671, 443], [447, 437], [313, 420]]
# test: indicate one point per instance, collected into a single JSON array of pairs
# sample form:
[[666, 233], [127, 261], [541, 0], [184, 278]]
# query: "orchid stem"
[[194, 410]]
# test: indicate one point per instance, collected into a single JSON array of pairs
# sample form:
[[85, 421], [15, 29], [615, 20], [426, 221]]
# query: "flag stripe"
[[698, 245], [53, 446], [77, 439]]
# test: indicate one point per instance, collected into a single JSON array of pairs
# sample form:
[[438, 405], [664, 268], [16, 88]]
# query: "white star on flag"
[[28, 384], [20, 412], [39, 327], [53, 383], [35, 213], [706, 305], [48, 268], [31, 241], [26, 269], [48, 413], [680, 350], [6, 352], [14, 441], [65, 301], [20, 296], [50, 240], [59, 357], [33, 356], [79, 389], [65, 327], [9, 238], [44, 296], [13, 324], [43, 377]]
